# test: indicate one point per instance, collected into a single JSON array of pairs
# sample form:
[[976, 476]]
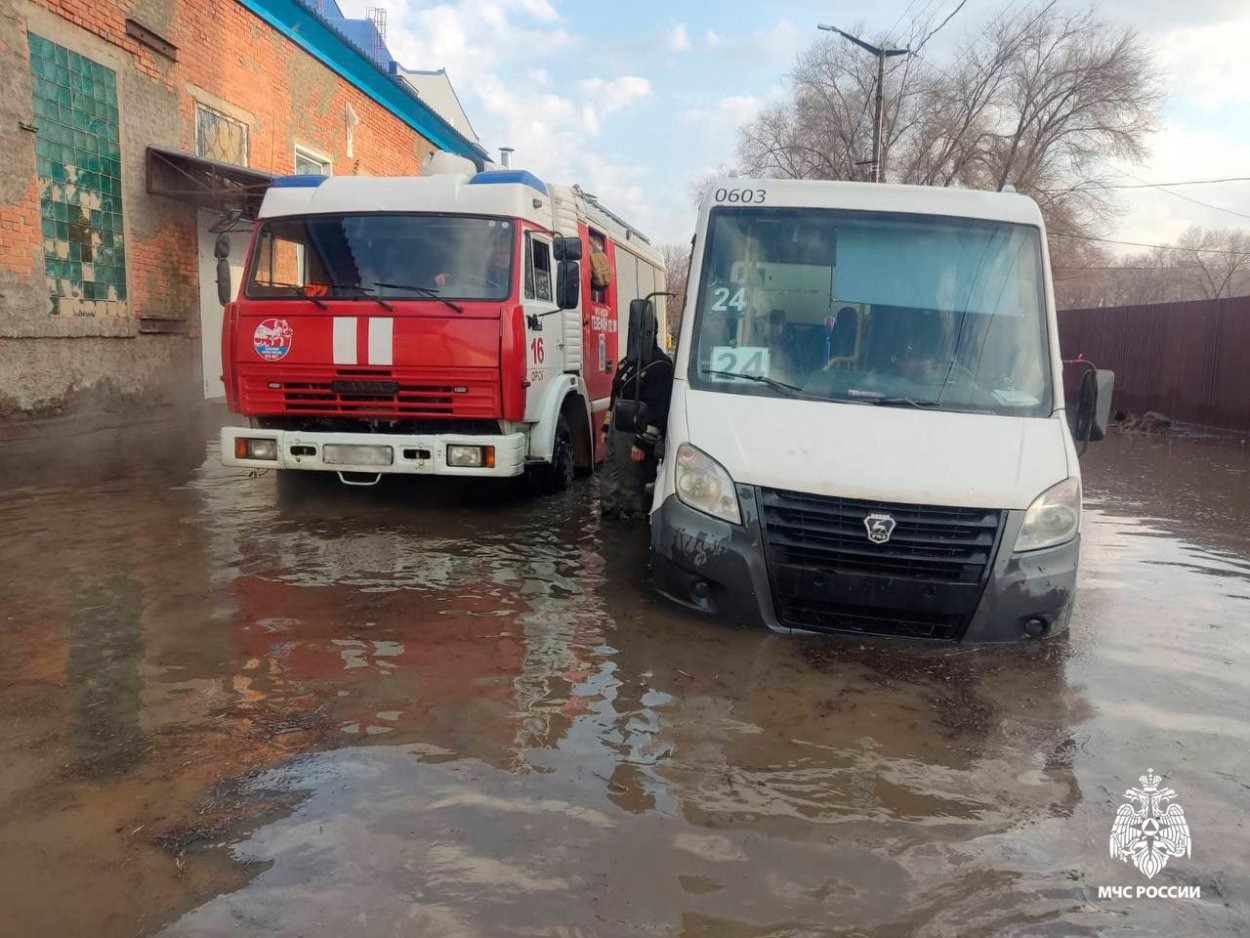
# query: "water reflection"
[[542, 727], [102, 675], [433, 710]]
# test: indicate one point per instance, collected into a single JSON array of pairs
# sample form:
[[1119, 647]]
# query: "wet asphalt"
[[453, 711]]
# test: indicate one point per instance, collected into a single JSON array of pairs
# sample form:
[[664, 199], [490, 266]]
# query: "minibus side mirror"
[[630, 416], [567, 249], [1104, 383], [568, 283], [1093, 406], [642, 329]]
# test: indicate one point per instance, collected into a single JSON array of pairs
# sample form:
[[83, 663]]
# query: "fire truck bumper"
[[494, 456]]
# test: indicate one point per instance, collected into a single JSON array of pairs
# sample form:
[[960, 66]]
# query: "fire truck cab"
[[455, 323]]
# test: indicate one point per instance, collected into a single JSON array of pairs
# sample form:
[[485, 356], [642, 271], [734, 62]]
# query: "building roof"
[[319, 27], [435, 88]]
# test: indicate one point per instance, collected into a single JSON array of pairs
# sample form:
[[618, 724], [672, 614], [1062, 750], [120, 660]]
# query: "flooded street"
[[447, 711]]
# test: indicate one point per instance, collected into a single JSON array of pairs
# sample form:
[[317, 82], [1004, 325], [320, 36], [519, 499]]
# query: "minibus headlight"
[[1053, 518], [704, 485]]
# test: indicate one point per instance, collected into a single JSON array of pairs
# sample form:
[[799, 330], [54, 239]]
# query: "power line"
[[1157, 185], [1082, 267], [938, 29], [1160, 247], [1186, 198], [903, 15]]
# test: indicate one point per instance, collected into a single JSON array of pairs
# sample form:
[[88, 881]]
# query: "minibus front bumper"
[[724, 571]]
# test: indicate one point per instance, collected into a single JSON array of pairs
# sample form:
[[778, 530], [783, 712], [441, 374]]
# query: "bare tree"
[[1214, 262], [1039, 101], [1202, 264], [677, 265]]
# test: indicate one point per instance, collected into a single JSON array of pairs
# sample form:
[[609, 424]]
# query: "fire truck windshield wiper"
[[421, 291], [364, 293], [298, 289]]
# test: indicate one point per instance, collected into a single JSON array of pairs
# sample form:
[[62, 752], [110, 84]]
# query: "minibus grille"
[[924, 582]]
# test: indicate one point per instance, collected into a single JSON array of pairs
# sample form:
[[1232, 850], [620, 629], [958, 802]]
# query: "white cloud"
[[1183, 152], [498, 53], [1209, 63], [676, 38], [470, 38], [538, 9], [731, 111], [778, 43]]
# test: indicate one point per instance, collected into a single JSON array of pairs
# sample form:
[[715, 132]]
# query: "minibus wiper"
[[788, 389], [901, 402], [364, 293], [423, 291]]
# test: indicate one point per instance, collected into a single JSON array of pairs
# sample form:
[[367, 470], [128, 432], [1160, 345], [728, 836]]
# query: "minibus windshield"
[[406, 256], [904, 310]]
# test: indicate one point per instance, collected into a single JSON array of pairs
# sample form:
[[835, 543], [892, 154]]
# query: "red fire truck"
[[455, 323]]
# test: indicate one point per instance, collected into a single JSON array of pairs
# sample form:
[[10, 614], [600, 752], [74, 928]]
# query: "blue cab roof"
[[508, 176]]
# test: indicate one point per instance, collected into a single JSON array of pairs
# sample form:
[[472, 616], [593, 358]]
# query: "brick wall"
[[228, 60]]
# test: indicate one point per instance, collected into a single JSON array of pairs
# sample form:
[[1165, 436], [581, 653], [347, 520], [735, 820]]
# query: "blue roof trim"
[[315, 35], [297, 182], [506, 176]]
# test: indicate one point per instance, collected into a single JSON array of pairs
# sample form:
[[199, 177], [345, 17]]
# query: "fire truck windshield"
[[418, 257]]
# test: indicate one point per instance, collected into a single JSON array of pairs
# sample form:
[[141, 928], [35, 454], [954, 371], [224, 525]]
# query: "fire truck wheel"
[[557, 476]]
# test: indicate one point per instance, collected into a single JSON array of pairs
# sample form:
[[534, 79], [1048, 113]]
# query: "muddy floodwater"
[[452, 711]]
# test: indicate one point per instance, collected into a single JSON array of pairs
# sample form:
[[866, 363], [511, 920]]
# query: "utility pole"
[[879, 117]]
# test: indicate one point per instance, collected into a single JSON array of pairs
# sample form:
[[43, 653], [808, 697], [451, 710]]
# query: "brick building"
[[135, 133]]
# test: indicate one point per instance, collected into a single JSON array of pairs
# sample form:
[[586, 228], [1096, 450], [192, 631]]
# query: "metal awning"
[[207, 183]]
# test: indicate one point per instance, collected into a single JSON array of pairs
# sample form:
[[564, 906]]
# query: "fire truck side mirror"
[[568, 283], [568, 249], [221, 251], [223, 281]]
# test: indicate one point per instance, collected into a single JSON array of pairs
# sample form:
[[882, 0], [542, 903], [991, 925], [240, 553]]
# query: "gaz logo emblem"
[[879, 527], [272, 339]]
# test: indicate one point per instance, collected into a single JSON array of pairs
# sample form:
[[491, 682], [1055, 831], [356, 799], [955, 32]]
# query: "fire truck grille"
[[374, 393]]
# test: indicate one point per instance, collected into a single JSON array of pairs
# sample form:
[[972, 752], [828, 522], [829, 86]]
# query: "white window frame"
[[313, 156]]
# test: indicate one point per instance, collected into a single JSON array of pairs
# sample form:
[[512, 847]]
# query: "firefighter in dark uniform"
[[631, 461]]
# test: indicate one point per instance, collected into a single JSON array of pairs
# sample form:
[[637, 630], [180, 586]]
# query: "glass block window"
[[78, 161], [218, 137]]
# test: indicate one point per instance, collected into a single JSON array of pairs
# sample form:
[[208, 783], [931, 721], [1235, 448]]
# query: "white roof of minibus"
[[507, 193], [880, 197]]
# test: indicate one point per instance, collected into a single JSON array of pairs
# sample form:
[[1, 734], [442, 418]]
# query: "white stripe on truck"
[[381, 341], [344, 340]]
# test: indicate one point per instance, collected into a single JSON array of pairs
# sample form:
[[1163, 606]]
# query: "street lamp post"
[[879, 117]]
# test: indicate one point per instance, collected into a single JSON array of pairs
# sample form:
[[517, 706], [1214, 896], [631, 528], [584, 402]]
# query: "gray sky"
[[634, 100]]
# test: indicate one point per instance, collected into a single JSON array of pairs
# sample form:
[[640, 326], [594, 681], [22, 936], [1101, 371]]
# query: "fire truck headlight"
[[255, 448], [470, 457]]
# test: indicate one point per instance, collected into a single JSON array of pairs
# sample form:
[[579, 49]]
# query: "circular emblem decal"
[[272, 339]]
